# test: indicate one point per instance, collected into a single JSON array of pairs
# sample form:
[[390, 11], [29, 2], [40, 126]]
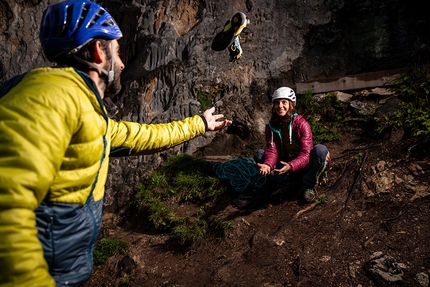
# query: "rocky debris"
[[126, 266], [419, 190], [354, 268], [364, 101], [385, 176], [423, 279], [378, 91], [388, 106], [340, 96], [364, 108], [343, 97], [383, 269]]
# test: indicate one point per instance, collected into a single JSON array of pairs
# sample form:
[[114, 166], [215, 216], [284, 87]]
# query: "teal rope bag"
[[241, 172]]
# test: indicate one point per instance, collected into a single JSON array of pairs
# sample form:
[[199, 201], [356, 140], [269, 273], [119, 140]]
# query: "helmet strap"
[[110, 74], [92, 65]]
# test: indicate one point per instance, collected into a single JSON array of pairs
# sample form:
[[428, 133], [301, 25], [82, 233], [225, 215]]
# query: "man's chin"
[[113, 90]]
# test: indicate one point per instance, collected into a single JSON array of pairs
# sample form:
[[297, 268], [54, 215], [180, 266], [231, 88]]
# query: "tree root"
[[357, 179], [345, 173], [300, 212]]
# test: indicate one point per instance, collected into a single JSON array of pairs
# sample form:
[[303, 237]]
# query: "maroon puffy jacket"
[[301, 135]]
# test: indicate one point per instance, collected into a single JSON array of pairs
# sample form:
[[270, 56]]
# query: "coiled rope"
[[241, 172]]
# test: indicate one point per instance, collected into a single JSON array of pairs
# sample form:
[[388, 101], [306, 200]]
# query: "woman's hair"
[[280, 121], [85, 53]]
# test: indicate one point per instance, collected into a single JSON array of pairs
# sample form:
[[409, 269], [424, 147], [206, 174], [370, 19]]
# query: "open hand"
[[285, 168], [211, 120], [263, 169]]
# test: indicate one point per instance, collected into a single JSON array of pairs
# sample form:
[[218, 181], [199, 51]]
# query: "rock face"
[[170, 66]]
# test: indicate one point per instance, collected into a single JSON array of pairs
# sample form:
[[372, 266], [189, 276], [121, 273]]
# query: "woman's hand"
[[263, 169], [285, 168]]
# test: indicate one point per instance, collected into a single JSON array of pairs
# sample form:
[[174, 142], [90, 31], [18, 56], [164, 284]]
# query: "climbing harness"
[[241, 172]]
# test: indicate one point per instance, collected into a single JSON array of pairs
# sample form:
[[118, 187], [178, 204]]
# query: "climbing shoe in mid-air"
[[230, 36]]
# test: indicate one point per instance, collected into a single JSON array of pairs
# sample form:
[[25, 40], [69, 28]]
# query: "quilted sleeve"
[[304, 135], [271, 152], [151, 138]]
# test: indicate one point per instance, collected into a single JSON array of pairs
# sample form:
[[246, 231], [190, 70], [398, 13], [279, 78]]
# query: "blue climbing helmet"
[[69, 25]]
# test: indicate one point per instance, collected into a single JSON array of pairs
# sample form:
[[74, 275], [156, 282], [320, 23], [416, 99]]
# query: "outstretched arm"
[[151, 138]]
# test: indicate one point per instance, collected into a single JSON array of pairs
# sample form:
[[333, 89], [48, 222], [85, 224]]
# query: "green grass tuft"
[[107, 247]]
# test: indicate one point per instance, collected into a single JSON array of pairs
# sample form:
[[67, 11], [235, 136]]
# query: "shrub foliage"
[[414, 115], [183, 180]]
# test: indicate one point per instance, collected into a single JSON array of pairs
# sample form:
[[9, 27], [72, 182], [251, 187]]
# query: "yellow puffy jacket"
[[55, 139]]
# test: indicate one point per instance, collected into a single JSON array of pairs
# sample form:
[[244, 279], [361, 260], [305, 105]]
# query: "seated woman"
[[290, 152]]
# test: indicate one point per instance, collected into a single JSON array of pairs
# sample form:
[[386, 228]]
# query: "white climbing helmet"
[[284, 93]]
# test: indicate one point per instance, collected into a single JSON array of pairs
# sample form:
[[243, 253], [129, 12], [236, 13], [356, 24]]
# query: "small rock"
[[383, 269], [376, 255], [380, 166], [420, 191], [325, 258], [398, 179], [408, 177], [366, 190], [382, 185], [364, 108], [126, 266], [382, 91], [343, 97], [353, 268], [388, 107], [416, 167], [423, 279]]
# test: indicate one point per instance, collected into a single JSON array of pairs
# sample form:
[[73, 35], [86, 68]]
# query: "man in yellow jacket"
[[55, 140]]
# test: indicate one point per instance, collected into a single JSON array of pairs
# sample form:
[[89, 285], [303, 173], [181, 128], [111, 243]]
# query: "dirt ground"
[[289, 243]]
